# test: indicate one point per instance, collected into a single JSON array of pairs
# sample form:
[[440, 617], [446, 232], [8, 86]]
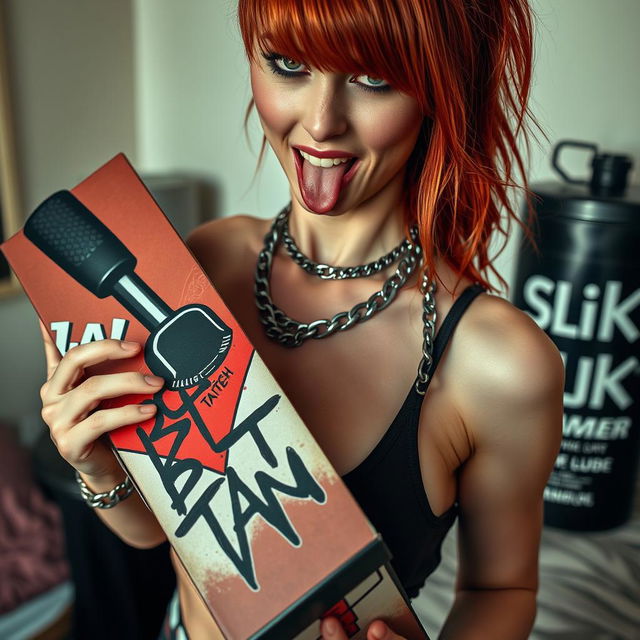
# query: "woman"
[[393, 120]]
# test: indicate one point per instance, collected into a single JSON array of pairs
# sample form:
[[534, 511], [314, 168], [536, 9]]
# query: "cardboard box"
[[266, 529]]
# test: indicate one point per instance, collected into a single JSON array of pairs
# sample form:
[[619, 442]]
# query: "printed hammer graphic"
[[184, 346]]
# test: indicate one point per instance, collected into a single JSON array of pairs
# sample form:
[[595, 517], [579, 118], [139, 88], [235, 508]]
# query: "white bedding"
[[36, 615]]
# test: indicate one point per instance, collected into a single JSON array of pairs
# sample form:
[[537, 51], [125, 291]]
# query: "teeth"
[[323, 162]]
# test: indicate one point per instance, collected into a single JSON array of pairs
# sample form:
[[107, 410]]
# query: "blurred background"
[[166, 83]]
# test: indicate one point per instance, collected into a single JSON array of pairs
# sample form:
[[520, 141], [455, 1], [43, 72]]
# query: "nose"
[[324, 112]]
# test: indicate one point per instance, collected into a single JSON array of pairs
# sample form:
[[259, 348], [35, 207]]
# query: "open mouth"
[[350, 167], [322, 180]]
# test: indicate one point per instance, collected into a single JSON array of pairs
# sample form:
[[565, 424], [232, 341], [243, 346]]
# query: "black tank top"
[[388, 483]]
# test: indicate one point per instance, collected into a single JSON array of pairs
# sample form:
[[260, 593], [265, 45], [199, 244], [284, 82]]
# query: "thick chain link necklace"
[[328, 272], [292, 333]]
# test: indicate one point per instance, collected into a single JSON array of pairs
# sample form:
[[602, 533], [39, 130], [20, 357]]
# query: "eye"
[[287, 64], [372, 84], [283, 66]]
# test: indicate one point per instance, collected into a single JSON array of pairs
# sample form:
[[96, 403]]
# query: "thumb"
[[378, 630], [50, 351]]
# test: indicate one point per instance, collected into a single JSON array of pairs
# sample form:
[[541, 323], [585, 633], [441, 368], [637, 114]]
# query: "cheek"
[[394, 128], [273, 106]]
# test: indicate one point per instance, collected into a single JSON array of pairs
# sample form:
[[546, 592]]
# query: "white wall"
[[193, 88], [586, 87], [587, 84], [192, 93], [72, 77], [70, 63], [167, 82]]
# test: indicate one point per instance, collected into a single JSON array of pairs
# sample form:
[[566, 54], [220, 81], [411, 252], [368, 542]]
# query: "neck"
[[355, 236]]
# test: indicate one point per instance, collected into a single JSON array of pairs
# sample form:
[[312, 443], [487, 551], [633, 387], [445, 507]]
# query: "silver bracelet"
[[105, 499]]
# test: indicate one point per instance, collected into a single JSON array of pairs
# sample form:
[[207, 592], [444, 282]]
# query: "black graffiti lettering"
[[245, 503], [208, 399], [268, 507], [188, 400], [305, 485], [251, 425], [217, 386], [170, 470], [159, 431], [202, 509]]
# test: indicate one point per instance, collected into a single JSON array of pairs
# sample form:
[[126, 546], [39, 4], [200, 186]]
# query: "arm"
[[511, 403], [69, 402], [509, 380]]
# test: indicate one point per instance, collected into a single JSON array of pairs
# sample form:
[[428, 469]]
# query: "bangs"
[[343, 36], [468, 64]]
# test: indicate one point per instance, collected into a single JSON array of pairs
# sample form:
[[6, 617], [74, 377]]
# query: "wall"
[[585, 87], [74, 64], [193, 88], [70, 63], [192, 94]]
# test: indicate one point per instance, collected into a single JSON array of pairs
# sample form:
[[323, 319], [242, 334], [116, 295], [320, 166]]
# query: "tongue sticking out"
[[320, 187]]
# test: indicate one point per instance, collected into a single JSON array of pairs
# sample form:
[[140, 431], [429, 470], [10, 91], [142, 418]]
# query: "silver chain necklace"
[[291, 333], [329, 272]]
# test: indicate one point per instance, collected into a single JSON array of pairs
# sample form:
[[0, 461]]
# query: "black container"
[[583, 289]]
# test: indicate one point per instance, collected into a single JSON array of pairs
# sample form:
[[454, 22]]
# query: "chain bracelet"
[[105, 499], [290, 332], [428, 332]]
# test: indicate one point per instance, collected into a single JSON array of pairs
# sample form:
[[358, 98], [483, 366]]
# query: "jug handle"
[[556, 156]]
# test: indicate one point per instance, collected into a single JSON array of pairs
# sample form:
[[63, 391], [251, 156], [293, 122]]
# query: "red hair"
[[468, 63]]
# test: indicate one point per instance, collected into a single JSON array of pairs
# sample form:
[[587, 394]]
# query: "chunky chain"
[[428, 332], [105, 499], [329, 272], [290, 332]]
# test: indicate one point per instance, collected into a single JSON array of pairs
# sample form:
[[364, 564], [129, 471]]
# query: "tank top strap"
[[403, 430], [451, 321]]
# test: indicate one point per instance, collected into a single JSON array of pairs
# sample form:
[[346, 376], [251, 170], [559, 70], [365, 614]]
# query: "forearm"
[[491, 614], [130, 519]]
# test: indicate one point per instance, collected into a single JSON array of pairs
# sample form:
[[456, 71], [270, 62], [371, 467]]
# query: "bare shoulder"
[[509, 371], [227, 241], [507, 350], [509, 385]]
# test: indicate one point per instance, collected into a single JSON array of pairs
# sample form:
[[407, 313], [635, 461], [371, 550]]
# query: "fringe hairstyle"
[[468, 63]]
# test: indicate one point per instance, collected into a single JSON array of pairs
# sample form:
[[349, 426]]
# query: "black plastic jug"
[[582, 287]]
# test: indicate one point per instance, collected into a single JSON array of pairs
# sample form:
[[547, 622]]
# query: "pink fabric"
[[32, 558]]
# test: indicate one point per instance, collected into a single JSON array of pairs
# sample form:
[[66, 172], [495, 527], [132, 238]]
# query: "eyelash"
[[271, 63]]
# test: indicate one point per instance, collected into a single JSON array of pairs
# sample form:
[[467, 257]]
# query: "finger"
[[76, 445], [51, 352], [378, 630], [331, 629], [76, 360], [79, 402]]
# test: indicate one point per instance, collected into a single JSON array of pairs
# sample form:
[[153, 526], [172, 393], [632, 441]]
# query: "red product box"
[[244, 493]]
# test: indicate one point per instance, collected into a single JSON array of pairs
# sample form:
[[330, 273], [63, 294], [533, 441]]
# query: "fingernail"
[[379, 631], [330, 626], [154, 381], [147, 408], [129, 346]]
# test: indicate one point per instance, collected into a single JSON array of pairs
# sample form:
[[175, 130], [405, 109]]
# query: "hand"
[[69, 400], [332, 630]]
